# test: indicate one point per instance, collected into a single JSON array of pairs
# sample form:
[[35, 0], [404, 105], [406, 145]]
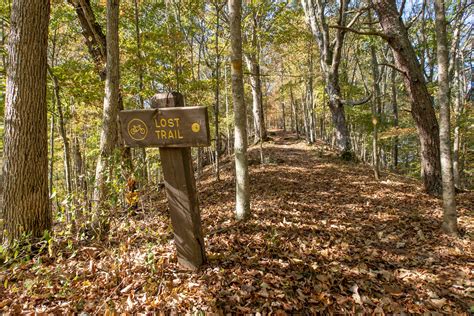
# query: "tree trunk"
[[330, 57], [294, 106], [458, 109], [242, 204], [253, 65], [283, 116], [375, 107], [395, 118], [395, 33], [92, 33], [109, 133], [449, 202], [229, 149], [256, 86], [51, 158], [339, 119], [96, 43], [142, 151], [310, 98], [217, 95], [62, 130], [81, 183], [27, 206]]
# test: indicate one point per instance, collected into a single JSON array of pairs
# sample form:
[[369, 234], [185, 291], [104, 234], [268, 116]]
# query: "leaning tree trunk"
[[395, 33], [27, 208], [96, 44], [450, 224], [109, 133], [242, 203]]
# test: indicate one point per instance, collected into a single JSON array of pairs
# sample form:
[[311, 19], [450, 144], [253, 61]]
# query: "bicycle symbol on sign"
[[137, 129]]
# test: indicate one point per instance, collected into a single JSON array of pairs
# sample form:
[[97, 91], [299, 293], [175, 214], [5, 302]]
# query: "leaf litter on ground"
[[324, 237]]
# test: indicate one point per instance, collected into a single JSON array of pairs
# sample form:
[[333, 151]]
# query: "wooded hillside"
[[236, 156]]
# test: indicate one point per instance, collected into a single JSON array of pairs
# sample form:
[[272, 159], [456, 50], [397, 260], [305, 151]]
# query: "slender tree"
[[242, 204], [449, 201], [109, 133], [27, 206]]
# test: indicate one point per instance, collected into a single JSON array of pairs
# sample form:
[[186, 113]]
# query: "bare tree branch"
[[358, 102], [370, 33], [393, 67]]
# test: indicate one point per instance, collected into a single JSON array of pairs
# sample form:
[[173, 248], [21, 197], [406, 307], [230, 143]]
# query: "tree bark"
[[217, 95], [242, 204], [96, 43], [92, 32], [294, 106], [375, 108], [79, 168], [27, 208], [330, 57], [62, 131], [395, 118], [253, 64], [142, 151], [109, 132], [395, 33], [450, 225]]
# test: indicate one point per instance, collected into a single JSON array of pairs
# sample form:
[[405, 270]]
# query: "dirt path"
[[323, 236]]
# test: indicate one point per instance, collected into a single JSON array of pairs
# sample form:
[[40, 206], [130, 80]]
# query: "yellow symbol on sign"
[[196, 127], [137, 129]]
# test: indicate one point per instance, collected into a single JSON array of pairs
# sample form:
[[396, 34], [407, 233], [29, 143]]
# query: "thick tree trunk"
[[242, 204], [338, 117], [395, 33], [449, 202], [27, 206], [109, 133]]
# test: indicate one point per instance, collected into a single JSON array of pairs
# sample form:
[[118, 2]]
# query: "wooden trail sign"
[[166, 127], [143, 128]]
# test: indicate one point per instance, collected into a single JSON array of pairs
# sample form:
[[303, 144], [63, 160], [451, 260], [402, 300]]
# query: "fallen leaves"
[[324, 237]]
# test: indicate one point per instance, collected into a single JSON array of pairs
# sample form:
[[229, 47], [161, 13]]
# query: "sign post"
[[174, 129]]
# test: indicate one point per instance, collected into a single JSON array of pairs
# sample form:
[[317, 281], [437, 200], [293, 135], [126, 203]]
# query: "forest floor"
[[324, 236]]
